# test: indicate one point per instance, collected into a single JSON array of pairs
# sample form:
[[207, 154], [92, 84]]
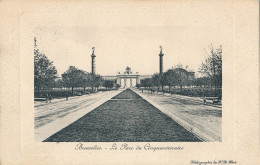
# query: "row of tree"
[[173, 77], [45, 72], [75, 77], [45, 76], [210, 70]]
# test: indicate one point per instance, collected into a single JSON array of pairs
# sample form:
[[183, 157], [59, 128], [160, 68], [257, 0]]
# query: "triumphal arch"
[[123, 79]]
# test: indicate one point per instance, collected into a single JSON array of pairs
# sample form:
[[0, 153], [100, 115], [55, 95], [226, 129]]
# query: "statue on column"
[[128, 70], [161, 48], [35, 42]]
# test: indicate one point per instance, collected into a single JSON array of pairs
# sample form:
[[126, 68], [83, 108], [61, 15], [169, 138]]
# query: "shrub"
[[198, 92]]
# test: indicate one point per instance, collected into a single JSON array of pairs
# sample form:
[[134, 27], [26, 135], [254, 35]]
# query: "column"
[[137, 80], [124, 82], [161, 61], [93, 63], [131, 85], [118, 80]]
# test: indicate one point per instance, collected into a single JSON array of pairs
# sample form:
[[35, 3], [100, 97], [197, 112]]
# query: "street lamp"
[[214, 72]]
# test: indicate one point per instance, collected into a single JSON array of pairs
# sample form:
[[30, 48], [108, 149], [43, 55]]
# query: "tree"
[[86, 78], [147, 82], [201, 81], [59, 84], [44, 70], [212, 66], [96, 81], [137, 85], [72, 77], [108, 84], [162, 81], [156, 80], [181, 76], [170, 78]]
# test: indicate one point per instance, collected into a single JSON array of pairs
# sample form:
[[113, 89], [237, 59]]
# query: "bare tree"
[[212, 66]]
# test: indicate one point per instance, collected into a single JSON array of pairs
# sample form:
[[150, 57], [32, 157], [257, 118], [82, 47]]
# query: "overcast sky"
[[132, 40]]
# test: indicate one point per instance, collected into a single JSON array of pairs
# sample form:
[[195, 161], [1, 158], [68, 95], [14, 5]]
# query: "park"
[[170, 106]]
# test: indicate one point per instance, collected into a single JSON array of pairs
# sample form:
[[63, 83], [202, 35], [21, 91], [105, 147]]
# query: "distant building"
[[127, 78]]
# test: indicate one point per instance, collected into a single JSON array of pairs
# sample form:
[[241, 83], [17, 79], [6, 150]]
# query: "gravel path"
[[203, 120], [46, 113], [125, 118]]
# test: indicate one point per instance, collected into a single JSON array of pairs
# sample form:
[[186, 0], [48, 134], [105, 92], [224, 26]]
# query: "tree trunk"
[[72, 91], [169, 89]]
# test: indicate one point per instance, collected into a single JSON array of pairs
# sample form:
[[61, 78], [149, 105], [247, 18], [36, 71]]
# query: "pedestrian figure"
[[142, 90], [204, 100], [50, 98], [67, 96], [47, 97]]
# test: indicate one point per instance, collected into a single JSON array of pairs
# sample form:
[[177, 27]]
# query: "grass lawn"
[[125, 118]]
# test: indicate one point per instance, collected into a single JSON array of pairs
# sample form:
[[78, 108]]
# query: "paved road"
[[47, 112], [124, 118], [52, 117], [203, 120]]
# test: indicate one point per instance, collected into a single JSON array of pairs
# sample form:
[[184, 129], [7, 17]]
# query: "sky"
[[117, 48], [132, 38]]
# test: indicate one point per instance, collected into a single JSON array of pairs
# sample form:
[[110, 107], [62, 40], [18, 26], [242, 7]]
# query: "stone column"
[[161, 61], [138, 80], [93, 62], [118, 80], [131, 85], [124, 82]]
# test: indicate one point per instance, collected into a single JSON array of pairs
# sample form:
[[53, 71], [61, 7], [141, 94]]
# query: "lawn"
[[125, 118]]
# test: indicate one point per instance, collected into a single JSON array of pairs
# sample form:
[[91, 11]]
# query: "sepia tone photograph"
[[146, 93], [129, 82]]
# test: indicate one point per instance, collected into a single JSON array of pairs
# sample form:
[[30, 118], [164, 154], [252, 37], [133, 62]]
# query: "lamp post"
[[214, 72]]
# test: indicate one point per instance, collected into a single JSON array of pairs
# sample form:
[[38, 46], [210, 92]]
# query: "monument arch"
[[128, 75]]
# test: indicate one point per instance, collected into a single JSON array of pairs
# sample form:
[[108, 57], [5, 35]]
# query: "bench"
[[213, 99], [39, 99]]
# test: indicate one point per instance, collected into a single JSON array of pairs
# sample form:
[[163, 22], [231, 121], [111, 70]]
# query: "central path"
[[124, 118]]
